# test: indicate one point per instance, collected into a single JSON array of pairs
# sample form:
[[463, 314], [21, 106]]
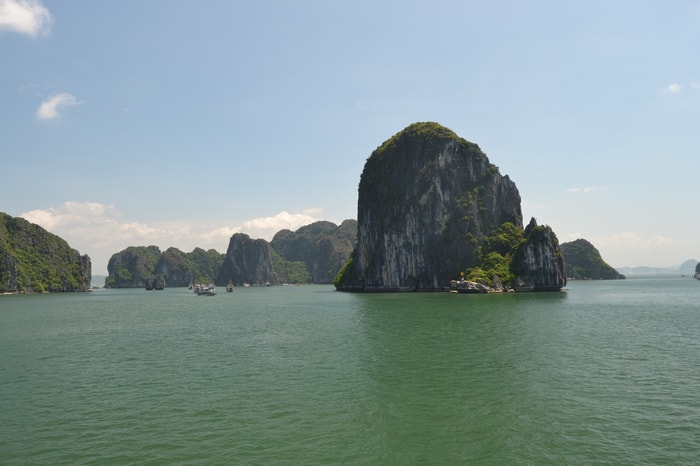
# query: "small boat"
[[206, 290], [229, 287]]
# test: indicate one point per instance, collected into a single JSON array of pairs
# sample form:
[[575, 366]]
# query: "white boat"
[[206, 290]]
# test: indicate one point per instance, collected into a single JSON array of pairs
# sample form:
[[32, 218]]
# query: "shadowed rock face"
[[247, 261], [323, 247], [539, 262], [426, 200]]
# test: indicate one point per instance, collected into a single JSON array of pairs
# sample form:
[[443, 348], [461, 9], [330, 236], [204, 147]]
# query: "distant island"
[[32, 260], [583, 262], [312, 254], [686, 268]]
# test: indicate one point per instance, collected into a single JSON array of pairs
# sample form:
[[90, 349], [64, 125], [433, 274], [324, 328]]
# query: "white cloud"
[[587, 189], [28, 17], [98, 230], [266, 227], [48, 110], [627, 242], [673, 88]]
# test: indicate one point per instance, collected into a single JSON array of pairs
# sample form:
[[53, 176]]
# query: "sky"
[[177, 123]]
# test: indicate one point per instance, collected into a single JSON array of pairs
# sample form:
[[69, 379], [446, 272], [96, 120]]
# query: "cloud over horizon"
[[28, 17], [48, 110]]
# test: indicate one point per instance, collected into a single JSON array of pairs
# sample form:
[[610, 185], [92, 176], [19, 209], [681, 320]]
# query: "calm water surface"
[[602, 373]]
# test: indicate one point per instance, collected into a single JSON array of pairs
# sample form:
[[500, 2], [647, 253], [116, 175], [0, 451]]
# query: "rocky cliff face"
[[137, 266], [426, 199], [132, 267], [34, 260], [539, 263], [182, 269], [312, 254], [322, 246], [174, 267], [247, 261]]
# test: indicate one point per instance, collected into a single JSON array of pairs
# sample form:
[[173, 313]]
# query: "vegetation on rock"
[[137, 266], [34, 260], [286, 271], [496, 256], [314, 253], [538, 264], [431, 205], [132, 267], [583, 261]]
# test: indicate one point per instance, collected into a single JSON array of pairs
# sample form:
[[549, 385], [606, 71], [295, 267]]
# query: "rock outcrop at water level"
[[538, 263], [427, 201]]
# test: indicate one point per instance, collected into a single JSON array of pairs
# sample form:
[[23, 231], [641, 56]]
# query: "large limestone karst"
[[185, 268], [247, 261], [427, 199], [34, 260], [312, 254], [132, 267], [323, 248], [138, 266]]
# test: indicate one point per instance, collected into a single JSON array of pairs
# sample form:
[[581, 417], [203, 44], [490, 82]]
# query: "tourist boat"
[[206, 290], [229, 287]]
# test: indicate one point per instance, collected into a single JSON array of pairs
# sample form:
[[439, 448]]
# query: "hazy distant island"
[[583, 262], [697, 271], [686, 268], [434, 214], [32, 260]]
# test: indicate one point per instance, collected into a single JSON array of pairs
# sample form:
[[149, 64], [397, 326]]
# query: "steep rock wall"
[[247, 261], [539, 263], [132, 267], [323, 247], [426, 199]]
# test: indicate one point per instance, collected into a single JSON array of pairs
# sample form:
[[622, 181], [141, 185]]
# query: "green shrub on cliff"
[[583, 261], [289, 271], [131, 267], [321, 247], [34, 260], [496, 255]]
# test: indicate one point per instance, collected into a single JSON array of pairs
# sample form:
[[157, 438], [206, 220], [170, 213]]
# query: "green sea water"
[[605, 372]]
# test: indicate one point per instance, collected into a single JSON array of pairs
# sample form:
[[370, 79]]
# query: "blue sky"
[[179, 123]]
